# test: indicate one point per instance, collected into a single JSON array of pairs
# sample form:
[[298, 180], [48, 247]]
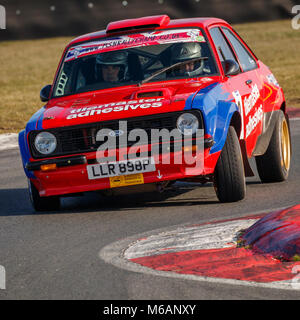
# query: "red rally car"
[[116, 89]]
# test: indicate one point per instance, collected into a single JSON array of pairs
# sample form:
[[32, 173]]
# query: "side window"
[[224, 51], [246, 60]]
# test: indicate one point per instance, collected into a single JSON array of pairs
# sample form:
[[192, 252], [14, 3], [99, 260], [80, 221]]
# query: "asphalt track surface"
[[56, 255]]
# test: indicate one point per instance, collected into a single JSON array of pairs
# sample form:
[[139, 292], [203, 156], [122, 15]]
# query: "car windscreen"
[[128, 60]]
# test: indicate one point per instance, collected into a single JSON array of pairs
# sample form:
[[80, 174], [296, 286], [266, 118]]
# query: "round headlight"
[[187, 124], [45, 142]]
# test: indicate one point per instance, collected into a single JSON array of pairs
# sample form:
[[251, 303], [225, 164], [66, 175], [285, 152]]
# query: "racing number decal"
[[239, 102]]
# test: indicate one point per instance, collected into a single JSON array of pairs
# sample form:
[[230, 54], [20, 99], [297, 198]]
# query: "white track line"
[[8, 141], [209, 236]]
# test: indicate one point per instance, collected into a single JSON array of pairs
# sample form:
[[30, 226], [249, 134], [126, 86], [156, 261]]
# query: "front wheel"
[[274, 164], [229, 176], [42, 203]]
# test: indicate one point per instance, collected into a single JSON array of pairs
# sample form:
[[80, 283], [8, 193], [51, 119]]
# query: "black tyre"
[[42, 203], [229, 177], [274, 164]]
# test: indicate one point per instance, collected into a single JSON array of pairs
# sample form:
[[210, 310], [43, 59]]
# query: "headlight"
[[45, 142], [187, 124]]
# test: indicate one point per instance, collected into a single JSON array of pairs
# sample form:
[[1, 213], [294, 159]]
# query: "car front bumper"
[[69, 175]]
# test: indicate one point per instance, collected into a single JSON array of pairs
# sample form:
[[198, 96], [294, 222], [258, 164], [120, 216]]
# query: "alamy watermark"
[[124, 152], [174, 146], [296, 19], [2, 278], [2, 17]]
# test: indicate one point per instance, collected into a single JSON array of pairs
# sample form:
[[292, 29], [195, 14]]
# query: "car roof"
[[202, 22]]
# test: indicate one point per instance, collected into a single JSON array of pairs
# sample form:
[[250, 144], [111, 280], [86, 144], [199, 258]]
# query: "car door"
[[253, 103], [236, 84]]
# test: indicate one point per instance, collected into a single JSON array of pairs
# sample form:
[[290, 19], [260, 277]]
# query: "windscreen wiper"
[[169, 68]]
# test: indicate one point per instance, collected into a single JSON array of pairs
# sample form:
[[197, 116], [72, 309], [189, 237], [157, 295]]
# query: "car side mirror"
[[45, 93], [231, 68]]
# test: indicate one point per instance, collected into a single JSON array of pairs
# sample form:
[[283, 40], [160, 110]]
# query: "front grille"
[[82, 138]]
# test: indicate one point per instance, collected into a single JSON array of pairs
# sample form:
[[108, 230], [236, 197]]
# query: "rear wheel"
[[274, 164], [42, 203], [229, 177]]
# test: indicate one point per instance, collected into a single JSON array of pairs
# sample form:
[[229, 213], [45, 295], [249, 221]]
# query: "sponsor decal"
[[194, 34], [135, 40], [272, 80], [248, 104], [115, 107], [254, 120]]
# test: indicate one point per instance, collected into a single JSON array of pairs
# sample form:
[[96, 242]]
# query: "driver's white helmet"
[[186, 51]]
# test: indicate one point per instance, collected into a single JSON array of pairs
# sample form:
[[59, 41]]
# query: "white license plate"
[[124, 167]]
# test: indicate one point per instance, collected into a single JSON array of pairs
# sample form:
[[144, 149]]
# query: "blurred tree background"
[[52, 18]]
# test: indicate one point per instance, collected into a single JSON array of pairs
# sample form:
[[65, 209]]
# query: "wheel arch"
[[236, 123], [283, 107], [234, 119]]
